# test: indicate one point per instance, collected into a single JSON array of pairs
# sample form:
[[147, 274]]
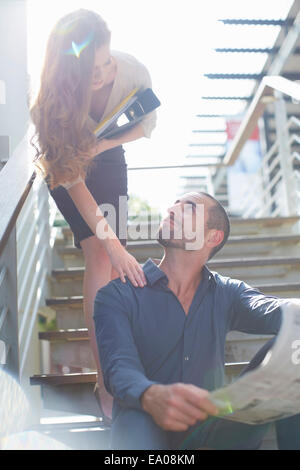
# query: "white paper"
[[272, 390]]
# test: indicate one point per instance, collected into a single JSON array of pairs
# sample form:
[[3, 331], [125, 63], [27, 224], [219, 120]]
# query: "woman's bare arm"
[[122, 261], [132, 134]]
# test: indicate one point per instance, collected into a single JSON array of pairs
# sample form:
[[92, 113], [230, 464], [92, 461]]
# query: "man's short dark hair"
[[218, 220]]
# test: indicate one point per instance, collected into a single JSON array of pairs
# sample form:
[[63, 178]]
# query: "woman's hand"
[[136, 132], [124, 263]]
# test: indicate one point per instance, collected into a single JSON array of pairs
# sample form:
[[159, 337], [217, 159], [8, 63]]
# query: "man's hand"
[[178, 406]]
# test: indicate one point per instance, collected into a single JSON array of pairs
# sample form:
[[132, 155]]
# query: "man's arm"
[[123, 373], [254, 312]]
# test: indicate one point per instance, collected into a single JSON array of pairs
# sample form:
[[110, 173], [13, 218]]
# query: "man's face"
[[185, 225]]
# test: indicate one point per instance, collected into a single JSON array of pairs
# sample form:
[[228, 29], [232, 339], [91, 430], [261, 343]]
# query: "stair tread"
[[91, 377], [250, 261], [69, 334], [67, 425], [241, 220], [285, 286], [83, 334], [262, 238], [234, 221], [253, 261], [231, 240], [64, 300], [64, 379], [268, 220]]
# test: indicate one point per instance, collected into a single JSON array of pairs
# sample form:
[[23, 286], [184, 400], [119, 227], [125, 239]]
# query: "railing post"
[[288, 183], [9, 332]]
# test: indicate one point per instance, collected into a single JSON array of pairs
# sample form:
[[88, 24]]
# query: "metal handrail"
[[16, 209], [19, 169], [167, 167]]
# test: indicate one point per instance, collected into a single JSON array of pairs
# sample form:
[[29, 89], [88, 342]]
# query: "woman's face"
[[103, 67]]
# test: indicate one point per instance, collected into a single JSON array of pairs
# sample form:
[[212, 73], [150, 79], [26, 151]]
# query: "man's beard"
[[169, 241]]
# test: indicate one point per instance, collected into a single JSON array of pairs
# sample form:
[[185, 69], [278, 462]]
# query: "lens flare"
[[225, 407], [77, 49]]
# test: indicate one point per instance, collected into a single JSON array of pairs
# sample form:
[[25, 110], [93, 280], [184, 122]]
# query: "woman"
[[81, 82]]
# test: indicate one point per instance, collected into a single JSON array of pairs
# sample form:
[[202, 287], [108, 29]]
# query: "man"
[[162, 346]]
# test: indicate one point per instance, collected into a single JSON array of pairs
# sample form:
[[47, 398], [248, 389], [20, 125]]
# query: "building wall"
[[13, 70], [14, 118]]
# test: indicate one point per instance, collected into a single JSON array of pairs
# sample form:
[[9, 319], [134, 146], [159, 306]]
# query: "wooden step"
[[68, 351], [71, 348], [88, 435], [242, 347], [260, 246], [232, 240], [254, 239], [83, 335], [64, 379], [61, 302], [239, 226], [246, 262], [69, 313], [260, 270], [65, 335], [73, 393], [77, 273], [263, 270], [231, 369], [235, 247], [281, 288]]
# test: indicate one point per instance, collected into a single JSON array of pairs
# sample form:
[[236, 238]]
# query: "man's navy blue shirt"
[[145, 337]]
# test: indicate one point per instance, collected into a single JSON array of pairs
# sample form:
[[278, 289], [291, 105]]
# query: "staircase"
[[263, 252]]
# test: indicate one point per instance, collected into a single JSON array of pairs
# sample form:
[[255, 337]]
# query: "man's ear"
[[215, 237]]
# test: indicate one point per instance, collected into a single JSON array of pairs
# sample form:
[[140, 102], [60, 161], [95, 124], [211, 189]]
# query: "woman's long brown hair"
[[60, 111]]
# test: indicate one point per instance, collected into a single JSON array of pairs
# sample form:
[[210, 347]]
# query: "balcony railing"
[[25, 255], [274, 190]]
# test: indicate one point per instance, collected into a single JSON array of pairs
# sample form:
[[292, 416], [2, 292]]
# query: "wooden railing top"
[[265, 94], [16, 179]]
